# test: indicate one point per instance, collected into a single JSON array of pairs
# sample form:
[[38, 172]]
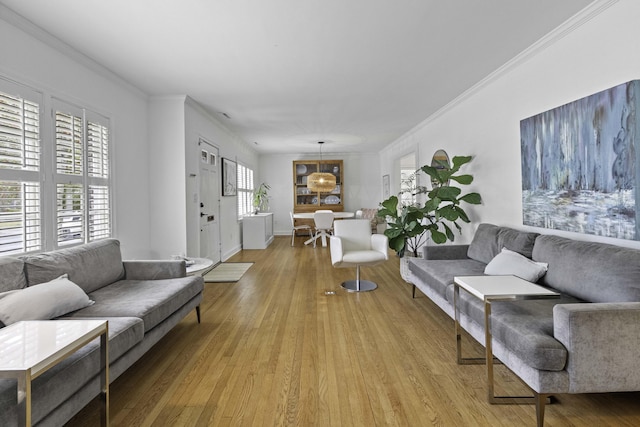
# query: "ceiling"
[[284, 74]]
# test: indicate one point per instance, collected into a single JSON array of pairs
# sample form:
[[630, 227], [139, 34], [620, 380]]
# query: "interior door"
[[209, 203]]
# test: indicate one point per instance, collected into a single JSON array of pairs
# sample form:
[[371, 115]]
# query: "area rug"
[[227, 272]]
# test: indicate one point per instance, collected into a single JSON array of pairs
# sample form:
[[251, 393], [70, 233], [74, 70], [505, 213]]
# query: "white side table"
[[30, 348], [489, 289], [199, 266]]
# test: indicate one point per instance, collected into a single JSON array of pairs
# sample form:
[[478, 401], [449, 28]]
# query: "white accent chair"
[[353, 245], [323, 223], [295, 228]]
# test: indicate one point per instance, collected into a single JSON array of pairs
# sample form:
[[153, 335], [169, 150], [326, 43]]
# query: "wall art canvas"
[[580, 165], [229, 177]]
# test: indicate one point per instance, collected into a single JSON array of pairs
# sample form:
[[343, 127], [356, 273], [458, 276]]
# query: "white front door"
[[209, 203]]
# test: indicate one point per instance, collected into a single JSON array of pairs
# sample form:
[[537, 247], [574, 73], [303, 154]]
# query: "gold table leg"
[[104, 377], [461, 360]]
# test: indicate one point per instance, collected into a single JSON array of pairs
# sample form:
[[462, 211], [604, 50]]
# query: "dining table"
[[314, 236]]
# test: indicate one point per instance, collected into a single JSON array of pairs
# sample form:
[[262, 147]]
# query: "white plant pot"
[[404, 267]]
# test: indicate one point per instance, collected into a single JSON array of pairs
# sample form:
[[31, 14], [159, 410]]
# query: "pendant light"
[[321, 181]]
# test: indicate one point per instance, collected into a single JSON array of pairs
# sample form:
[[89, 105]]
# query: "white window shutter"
[[20, 192]]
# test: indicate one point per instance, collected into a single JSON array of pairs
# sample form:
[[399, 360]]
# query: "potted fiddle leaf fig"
[[409, 227]]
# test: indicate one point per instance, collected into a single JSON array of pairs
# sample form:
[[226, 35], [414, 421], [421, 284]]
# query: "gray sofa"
[[587, 341], [142, 300]]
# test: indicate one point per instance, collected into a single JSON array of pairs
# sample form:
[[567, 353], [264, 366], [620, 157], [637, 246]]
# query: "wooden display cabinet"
[[305, 200]]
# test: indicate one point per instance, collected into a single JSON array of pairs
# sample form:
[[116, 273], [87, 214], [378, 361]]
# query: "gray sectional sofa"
[[142, 301], [587, 341]]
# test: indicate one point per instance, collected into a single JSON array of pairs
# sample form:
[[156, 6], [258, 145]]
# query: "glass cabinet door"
[[306, 200], [334, 197], [304, 195]]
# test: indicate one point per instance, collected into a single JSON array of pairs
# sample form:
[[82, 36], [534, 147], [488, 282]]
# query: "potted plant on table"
[[260, 198], [410, 226]]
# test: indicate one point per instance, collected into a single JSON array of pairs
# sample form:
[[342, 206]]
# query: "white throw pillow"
[[42, 302], [509, 262]]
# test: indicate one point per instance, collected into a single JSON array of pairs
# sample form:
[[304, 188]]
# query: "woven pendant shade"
[[321, 181]]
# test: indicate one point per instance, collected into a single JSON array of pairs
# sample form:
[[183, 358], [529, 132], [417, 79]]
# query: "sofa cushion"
[[11, 274], [526, 328], [90, 266], [489, 240], [591, 271], [151, 300], [523, 326], [42, 302], [512, 263], [438, 274], [60, 382]]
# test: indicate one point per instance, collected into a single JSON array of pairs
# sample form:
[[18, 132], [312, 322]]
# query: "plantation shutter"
[[20, 199], [98, 197], [244, 185], [69, 141], [70, 190], [70, 202]]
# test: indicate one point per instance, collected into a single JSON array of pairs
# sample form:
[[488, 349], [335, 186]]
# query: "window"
[[82, 175], [245, 190], [20, 198], [74, 207]]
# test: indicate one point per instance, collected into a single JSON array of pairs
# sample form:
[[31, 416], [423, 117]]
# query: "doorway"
[[209, 191], [408, 180]]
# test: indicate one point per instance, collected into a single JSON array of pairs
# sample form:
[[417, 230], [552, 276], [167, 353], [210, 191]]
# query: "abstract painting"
[[580, 165]]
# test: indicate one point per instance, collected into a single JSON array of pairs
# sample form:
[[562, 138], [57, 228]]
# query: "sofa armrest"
[[154, 270], [602, 341], [437, 252]]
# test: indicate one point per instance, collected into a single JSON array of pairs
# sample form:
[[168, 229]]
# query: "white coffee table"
[[30, 348], [490, 289]]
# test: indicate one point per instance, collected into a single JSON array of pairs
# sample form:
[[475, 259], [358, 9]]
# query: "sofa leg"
[[198, 312], [541, 400], [413, 291]]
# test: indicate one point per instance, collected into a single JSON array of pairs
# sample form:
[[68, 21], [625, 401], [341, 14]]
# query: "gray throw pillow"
[[11, 274], [484, 245], [42, 302], [512, 263]]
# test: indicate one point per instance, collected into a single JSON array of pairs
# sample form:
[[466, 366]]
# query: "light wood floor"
[[273, 349]]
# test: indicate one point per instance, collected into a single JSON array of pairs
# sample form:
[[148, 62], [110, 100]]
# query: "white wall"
[[589, 54], [62, 73], [167, 177], [176, 124], [362, 177], [200, 124]]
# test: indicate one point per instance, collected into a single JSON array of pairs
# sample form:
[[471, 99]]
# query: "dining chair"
[[295, 228], [323, 221]]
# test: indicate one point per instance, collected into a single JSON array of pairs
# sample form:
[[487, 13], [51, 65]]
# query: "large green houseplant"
[[410, 226]]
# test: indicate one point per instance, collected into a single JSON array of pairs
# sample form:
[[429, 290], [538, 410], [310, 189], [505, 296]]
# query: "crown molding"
[[198, 107], [55, 43], [569, 26]]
